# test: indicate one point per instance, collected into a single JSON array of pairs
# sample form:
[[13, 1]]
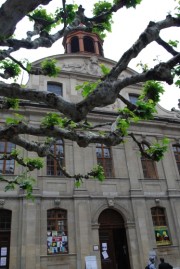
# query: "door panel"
[[4, 249], [107, 249]]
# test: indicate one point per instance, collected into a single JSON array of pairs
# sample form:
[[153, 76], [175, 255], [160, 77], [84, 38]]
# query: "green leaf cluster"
[[98, 172], [105, 70], [13, 102], [173, 43], [11, 68], [69, 14], [53, 119], [122, 125], [87, 87], [105, 25], [41, 13], [16, 120], [145, 109], [157, 150], [36, 163], [152, 89], [176, 75], [50, 68]]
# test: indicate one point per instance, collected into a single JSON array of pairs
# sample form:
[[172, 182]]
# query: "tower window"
[[88, 44], [176, 149], [75, 44]]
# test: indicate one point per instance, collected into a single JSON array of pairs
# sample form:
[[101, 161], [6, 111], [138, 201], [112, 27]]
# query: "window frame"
[[148, 166], [160, 225], [177, 156], [54, 83], [55, 236], [55, 163], [103, 163], [4, 162]]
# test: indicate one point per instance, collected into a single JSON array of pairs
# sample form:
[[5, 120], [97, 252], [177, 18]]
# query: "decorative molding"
[[57, 202], [2, 202], [90, 66], [110, 202]]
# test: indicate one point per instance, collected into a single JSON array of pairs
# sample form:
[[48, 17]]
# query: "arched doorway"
[[113, 241], [5, 233]]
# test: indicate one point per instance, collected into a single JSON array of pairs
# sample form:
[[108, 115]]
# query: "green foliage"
[[152, 89], [98, 172], [26, 183], [176, 75], [70, 13], [87, 87], [11, 68], [178, 9], [105, 70], [15, 152], [41, 13], [13, 103], [36, 163], [50, 68], [157, 150], [145, 109], [51, 119], [173, 43], [122, 125], [99, 8], [16, 120]]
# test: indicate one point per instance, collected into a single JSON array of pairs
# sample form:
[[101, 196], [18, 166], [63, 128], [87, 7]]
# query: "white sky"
[[128, 25]]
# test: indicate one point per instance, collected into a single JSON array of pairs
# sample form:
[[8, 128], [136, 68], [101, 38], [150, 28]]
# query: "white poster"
[[3, 261], [105, 255], [91, 262], [4, 251]]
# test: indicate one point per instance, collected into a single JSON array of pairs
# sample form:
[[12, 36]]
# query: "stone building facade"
[[133, 214]]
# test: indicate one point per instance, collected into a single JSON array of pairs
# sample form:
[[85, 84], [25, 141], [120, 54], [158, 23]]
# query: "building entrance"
[[113, 241]]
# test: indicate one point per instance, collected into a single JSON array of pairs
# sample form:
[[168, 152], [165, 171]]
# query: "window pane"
[[133, 98], [54, 88]]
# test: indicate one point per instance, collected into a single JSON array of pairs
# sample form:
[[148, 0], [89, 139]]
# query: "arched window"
[[55, 88], [75, 44], [160, 226], [53, 168], [104, 159], [57, 233], [88, 44], [148, 166], [176, 149], [5, 233], [6, 166]]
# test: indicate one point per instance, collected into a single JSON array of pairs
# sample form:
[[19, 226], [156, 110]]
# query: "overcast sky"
[[128, 25]]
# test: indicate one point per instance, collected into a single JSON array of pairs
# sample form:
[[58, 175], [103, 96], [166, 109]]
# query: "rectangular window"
[[160, 226], [57, 234], [53, 165], [104, 159], [6, 166], [133, 98], [55, 88]]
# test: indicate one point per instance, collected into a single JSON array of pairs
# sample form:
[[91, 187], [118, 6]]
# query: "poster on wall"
[[4, 251], [3, 261], [56, 243], [162, 236]]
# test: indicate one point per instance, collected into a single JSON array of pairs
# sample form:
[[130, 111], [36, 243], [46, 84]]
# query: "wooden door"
[[113, 241]]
